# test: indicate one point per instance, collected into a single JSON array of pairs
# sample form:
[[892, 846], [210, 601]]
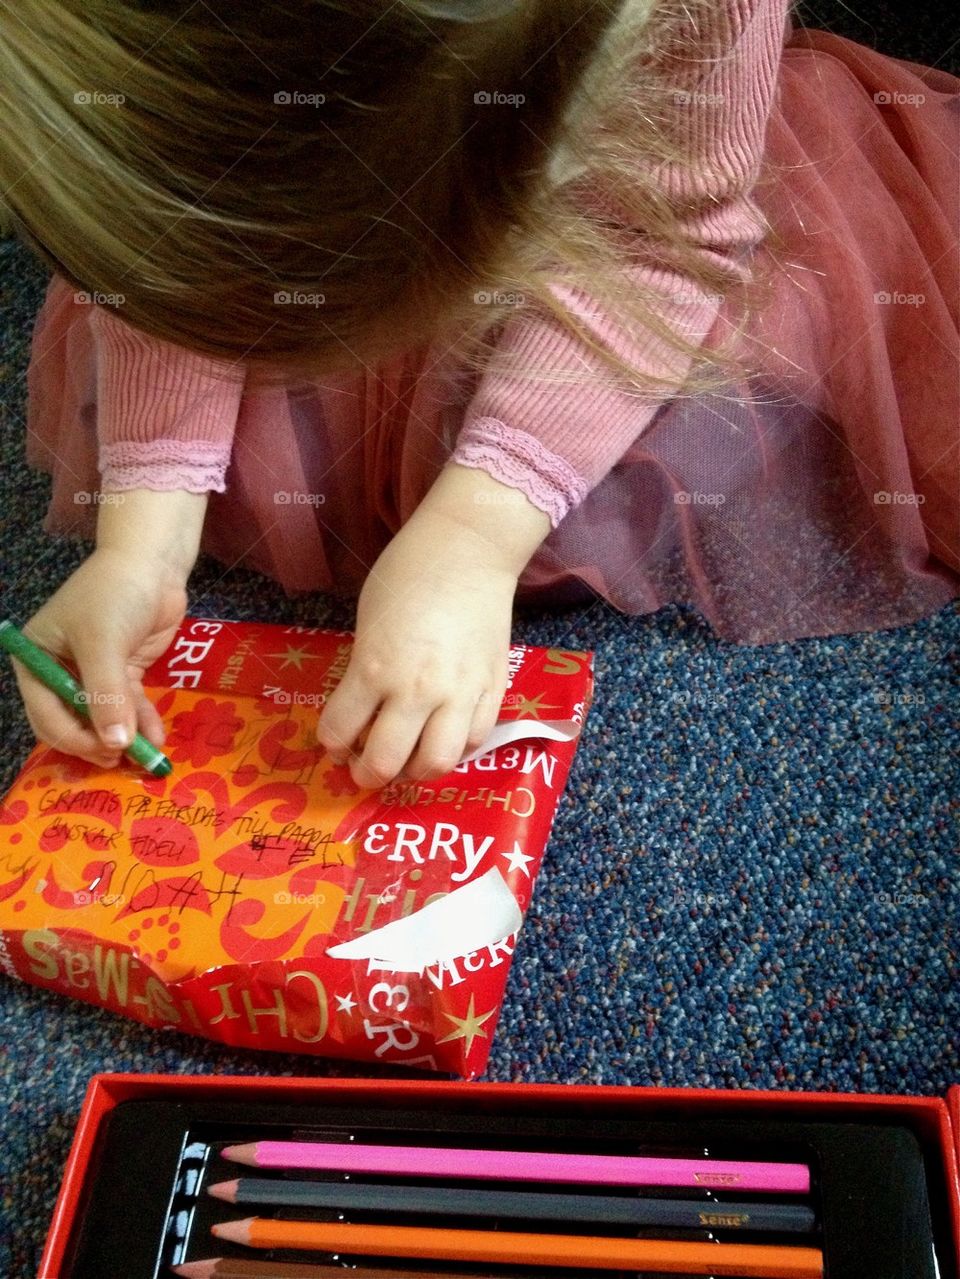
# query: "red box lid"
[[928, 1116]]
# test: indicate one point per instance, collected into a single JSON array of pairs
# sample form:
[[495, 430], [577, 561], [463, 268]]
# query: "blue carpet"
[[718, 905]]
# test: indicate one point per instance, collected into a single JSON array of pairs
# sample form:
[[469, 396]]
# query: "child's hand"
[[430, 659], [112, 618]]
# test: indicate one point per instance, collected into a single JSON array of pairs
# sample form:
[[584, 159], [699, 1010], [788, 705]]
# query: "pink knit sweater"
[[166, 416]]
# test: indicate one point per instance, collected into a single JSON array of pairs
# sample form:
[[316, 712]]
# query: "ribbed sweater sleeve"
[[556, 440], [165, 416]]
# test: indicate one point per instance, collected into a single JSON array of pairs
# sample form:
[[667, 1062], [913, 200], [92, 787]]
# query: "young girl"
[[461, 303]]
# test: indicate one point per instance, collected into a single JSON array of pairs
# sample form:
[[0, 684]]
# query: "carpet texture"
[[719, 901]]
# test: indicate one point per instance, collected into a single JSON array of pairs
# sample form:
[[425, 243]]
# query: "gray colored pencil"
[[690, 1214]]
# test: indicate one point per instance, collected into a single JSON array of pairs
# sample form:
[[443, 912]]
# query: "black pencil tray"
[[881, 1211]]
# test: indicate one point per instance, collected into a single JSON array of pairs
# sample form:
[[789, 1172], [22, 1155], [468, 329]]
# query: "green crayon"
[[61, 682]]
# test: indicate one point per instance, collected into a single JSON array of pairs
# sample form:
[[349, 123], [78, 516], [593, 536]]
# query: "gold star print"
[[294, 657], [529, 707], [468, 1027]]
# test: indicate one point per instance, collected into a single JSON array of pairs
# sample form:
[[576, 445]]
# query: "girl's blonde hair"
[[312, 185]]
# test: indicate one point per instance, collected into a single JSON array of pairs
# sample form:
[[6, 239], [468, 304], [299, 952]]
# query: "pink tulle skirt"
[[821, 495]]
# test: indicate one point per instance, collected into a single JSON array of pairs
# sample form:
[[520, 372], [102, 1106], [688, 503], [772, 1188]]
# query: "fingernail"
[[115, 735]]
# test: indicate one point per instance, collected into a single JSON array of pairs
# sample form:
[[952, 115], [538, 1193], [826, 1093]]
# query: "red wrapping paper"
[[209, 901]]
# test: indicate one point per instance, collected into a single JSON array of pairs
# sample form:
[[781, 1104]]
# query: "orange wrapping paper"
[[210, 900]]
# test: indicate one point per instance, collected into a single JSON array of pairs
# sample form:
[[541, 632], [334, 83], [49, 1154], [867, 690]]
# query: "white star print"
[[518, 859]]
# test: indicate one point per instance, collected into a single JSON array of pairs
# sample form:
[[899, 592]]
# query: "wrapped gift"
[[257, 896]]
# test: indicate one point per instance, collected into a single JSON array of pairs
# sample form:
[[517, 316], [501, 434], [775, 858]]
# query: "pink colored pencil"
[[522, 1165]]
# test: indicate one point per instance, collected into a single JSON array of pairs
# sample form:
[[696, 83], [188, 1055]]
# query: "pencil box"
[[256, 896], [880, 1208]]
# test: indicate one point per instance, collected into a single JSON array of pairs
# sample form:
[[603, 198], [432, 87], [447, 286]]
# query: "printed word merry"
[[405, 843]]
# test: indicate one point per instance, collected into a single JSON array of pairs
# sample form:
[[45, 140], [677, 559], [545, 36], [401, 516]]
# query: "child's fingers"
[[55, 724], [345, 718], [108, 692], [149, 722], [441, 744], [484, 720], [391, 741]]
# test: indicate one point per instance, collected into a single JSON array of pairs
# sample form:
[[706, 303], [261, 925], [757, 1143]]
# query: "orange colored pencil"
[[590, 1252]]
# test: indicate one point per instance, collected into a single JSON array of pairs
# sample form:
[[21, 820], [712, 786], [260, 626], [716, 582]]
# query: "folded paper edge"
[[477, 915]]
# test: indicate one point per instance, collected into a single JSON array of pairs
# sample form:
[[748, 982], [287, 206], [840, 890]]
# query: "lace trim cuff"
[[164, 465], [518, 459]]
